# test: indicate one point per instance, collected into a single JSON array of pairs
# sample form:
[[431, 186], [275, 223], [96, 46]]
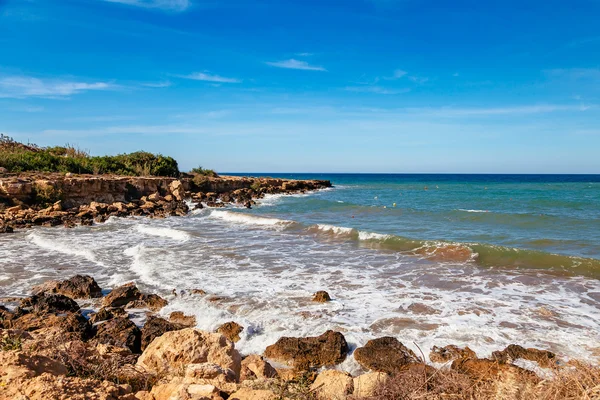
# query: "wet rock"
[[177, 349], [514, 352], [155, 327], [333, 385], [231, 330], [385, 354], [177, 317], [326, 350], [77, 287], [104, 314], [119, 332], [154, 302], [49, 303], [122, 295], [256, 367], [321, 297], [450, 353]]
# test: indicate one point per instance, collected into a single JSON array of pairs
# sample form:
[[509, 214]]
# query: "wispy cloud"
[[399, 73], [492, 111], [304, 54], [295, 64], [24, 86], [157, 84], [205, 76], [166, 5], [376, 89]]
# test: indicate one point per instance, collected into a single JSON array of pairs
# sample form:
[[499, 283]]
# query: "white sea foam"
[[247, 219], [473, 211], [372, 236], [58, 246], [163, 232], [336, 230]]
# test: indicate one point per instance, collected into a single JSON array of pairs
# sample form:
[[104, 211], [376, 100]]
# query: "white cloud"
[[24, 86], [295, 64], [304, 54], [204, 76], [167, 5], [399, 73], [157, 84], [376, 89]]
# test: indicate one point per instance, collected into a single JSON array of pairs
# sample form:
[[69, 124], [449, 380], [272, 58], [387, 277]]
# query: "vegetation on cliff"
[[18, 157]]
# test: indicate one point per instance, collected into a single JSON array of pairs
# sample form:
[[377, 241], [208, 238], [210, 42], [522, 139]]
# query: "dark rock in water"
[[104, 314], [122, 295], [119, 332], [231, 330], [449, 353], [326, 350], [78, 287], [385, 354], [6, 229], [155, 327], [513, 352], [49, 303], [154, 302], [321, 297], [177, 317]]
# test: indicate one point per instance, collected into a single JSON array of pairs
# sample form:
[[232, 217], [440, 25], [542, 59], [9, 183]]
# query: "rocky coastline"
[[73, 340], [34, 199]]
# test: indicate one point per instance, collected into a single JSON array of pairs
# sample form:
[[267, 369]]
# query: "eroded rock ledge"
[[54, 199]]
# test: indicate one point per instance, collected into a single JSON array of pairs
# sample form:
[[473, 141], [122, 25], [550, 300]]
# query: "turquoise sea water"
[[536, 221]]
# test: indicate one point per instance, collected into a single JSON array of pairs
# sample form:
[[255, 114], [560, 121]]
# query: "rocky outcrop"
[[256, 367], [385, 354], [450, 353], [177, 317], [105, 314], [365, 385], [333, 385], [119, 332], [49, 303], [122, 295], [486, 370], [78, 287], [155, 327], [544, 358], [231, 330], [326, 350]]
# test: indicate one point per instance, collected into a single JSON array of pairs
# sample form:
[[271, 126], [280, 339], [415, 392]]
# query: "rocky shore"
[[35, 199], [73, 340]]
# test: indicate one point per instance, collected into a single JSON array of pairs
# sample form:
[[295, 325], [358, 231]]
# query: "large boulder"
[[45, 303], [77, 287], [385, 354], [122, 295], [450, 353], [175, 350], [326, 350], [333, 385], [119, 332], [155, 327], [544, 358]]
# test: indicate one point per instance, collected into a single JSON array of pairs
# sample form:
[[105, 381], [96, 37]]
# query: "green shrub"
[[204, 172]]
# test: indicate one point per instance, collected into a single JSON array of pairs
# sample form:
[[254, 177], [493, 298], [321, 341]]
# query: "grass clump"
[[11, 343], [199, 171]]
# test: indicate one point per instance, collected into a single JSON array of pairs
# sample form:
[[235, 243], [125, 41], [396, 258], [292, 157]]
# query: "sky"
[[405, 86]]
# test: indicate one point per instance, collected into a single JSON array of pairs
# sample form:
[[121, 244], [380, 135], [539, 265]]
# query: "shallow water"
[[387, 275]]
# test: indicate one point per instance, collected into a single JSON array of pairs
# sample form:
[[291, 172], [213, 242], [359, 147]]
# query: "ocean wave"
[[163, 232], [60, 247], [473, 211], [248, 219]]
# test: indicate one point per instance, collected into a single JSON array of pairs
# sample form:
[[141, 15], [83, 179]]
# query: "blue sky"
[[307, 85]]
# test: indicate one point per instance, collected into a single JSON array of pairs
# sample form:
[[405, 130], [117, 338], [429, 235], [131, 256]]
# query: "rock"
[[385, 354], [176, 349], [119, 332], [77, 287], [420, 308], [333, 385], [487, 370], [177, 190], [122, 295], [256, 367], [545, 359], [177, 317], [49, 303], [321, 297], [155, 327], [231, 331], [450, 353], [105, 314], [154, 302], [211, 374], [253, 394], [185, 391], [366, 384], [326, 350], [17, 366], [155, 197]]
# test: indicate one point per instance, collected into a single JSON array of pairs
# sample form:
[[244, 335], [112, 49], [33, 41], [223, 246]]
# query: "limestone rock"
[[104, 314], [49, 303], [176, 349], [185, 391], [18, 366], [483, 369], [231, 330], [450, 353], [333, 385], [256, 367], [513, 352], [253, 394], [77, 287], [326, 350], [366, 384], [119, 332], [155, 327], [74, 323], [321, 297], [385, 354], [122, 295], [177, 317]]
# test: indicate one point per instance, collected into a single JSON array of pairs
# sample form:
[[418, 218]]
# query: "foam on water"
[[248, 219], [163, 232], [55, 245]]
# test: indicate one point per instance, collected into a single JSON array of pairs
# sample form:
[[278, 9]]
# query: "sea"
[[432, 259]]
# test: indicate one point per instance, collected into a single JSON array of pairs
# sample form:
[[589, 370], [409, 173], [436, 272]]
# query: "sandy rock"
[[365, 384], [176, 349], [49, 303], [74, 323], [177, 190], [177, 317], [119, 332], [326, 350], [513, 352], [252, 394], [450, 353], [122, 295], [155, 327], [321, 297], [185, 391], [256, 367], [333, 385], [77, 287], [231, 330], [18, 366], [211, 374], [385, 354]]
